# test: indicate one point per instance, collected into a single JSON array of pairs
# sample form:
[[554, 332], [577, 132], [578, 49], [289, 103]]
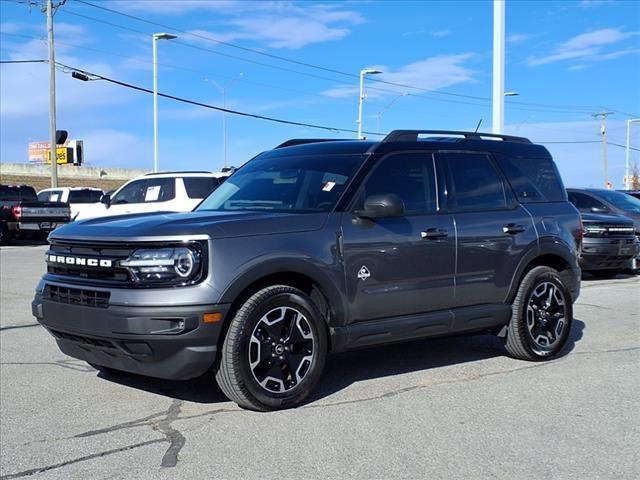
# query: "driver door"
[[400, 265]]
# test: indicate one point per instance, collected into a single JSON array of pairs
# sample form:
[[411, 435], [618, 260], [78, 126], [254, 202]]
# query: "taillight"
[[17, 212]]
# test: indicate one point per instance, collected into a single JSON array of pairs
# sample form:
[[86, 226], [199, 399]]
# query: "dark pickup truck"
[[21, 214]]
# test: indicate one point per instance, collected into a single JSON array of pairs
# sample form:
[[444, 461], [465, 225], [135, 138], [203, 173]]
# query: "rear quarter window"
[[533, 179]]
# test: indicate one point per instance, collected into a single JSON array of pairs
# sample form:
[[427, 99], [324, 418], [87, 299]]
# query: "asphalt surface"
[[454, 408]]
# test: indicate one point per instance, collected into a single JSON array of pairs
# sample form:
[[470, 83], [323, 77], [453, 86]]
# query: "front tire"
[[541, 317], [274, 351]]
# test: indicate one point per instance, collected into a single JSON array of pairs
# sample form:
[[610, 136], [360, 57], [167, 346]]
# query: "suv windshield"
[[293, 184], [621, 200]]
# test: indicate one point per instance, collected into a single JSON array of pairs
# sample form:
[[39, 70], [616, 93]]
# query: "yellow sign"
[[63, 155]]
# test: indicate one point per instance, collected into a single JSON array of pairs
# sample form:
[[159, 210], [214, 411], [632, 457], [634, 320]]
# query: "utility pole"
[[498, 66], [52, 93], [603, 132], [627, 164]]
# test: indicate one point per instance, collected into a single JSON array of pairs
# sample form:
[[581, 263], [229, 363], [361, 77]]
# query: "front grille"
[[94, 342], [113, 275], [76, 296]]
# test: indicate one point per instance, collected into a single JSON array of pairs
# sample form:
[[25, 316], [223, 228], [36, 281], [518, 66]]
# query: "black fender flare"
[[316, 271], [545, 246]]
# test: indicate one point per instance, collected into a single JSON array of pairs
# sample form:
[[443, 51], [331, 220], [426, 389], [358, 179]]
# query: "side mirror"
[[381, 206], [599, 210], [106, 199]]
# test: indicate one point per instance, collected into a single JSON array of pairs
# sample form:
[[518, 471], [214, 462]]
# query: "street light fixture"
[[156, 37], [223, 90], [366, 71]]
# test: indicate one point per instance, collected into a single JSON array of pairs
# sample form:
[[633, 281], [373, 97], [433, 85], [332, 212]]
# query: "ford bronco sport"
[[320, 246]]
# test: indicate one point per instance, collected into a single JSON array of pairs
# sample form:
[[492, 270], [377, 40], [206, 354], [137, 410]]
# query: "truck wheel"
[[274, 351], [541, 316], [4, 234]]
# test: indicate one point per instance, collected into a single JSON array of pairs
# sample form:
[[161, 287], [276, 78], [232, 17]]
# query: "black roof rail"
[[176, 172], [412, 136], [302, 141]]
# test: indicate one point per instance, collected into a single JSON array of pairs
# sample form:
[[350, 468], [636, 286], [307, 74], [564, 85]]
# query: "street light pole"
[[223, 90], [498, 66], [52, 97], [367, 71], [387, 107], [156, 37]]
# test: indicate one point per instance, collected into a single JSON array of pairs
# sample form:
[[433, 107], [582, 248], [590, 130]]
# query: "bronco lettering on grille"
[[80, 261]]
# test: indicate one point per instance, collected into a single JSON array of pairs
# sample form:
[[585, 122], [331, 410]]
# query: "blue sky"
[[566, 60]]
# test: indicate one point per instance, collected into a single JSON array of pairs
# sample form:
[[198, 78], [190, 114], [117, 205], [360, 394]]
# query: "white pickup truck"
[[157, 192], [78, 198]]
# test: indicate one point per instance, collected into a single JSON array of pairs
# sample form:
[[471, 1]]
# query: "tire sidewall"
[[529, 285], [305, 305]]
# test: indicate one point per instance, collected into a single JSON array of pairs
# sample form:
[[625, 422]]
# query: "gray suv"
[[324, 246]]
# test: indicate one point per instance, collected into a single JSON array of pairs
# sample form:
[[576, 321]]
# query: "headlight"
[[170, 266]]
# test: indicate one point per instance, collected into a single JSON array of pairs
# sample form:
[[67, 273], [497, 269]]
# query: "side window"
[[533, 179], [146, 190], [50, 196], [200, 187], [473, 182], [410, 176], [584, 202]]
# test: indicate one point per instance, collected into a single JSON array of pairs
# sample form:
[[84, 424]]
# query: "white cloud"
[[432, 73], [441, 33], [586, 45], [278, 24], [519, 37]]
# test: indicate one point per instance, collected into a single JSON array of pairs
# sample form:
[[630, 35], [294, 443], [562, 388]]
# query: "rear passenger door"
[[492, 229], [392, 268]]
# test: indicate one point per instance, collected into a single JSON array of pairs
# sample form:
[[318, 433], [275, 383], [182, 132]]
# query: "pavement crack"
[[175, 438], [33, 471]]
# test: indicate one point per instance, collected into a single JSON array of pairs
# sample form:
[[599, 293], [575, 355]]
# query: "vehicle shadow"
[[344, 369], [588, 277]]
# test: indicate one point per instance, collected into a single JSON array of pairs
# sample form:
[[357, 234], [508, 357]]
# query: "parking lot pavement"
[[446, 408]]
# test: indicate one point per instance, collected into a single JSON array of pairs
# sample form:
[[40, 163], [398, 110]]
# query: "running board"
[[411, 327]]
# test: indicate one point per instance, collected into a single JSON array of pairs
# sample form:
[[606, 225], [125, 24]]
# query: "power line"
[[212, 107], [589, 141], [307, 74], [583, 109]]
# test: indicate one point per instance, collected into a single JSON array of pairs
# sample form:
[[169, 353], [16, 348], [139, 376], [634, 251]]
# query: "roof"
[[185, 173], [407, 140]]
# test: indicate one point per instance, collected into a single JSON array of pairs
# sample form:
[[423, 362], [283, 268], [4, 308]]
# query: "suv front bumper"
[[608, 254], [164, 342]]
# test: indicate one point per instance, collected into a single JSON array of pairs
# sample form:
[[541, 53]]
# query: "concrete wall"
[[39, 176]]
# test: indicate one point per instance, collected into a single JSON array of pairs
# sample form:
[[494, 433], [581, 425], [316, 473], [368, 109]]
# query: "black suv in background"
[[608, 252], [319, 246]]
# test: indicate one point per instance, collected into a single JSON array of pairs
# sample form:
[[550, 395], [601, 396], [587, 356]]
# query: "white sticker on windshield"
[[54, 197], [152, 194], [328, 186]]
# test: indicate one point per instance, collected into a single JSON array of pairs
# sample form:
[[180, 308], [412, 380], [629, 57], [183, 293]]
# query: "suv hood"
[[591, 218], [214, 224]]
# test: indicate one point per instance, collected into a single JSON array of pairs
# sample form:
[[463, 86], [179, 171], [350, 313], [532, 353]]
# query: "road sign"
[[71, 151]]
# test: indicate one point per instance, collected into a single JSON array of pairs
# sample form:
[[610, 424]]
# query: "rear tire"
[[541, 316], [274, 351]]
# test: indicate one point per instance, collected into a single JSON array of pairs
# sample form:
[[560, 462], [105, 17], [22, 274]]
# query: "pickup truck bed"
[[22, 214]]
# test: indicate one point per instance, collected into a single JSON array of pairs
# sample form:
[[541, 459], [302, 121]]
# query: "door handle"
[[512, 228], [434, 233]]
